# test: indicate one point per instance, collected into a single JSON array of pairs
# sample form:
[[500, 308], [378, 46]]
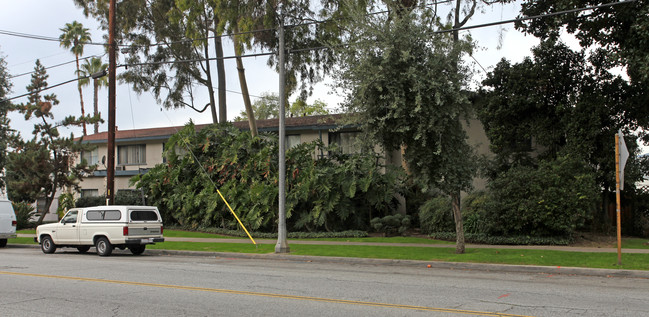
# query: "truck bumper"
[[144, 240], [7, 235]]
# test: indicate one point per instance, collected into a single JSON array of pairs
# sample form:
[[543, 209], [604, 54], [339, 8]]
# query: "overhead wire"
[[44, 89], [57, 65], [326, 47]]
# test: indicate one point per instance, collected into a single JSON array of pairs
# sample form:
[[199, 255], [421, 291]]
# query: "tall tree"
[[40, 166], [406, 84], [5, 89], [89, 67], [160, 32], [617, 35], [556, 103], [75, 37]]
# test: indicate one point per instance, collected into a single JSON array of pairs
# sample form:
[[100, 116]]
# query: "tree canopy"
[[267, 107], [38, 167], [5, 88]]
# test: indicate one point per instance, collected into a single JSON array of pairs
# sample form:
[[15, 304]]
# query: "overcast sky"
[[45, 18]]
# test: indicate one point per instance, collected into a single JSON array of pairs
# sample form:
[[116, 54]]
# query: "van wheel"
[[103, 246], [3, 243], [137, 249], [47, 245], [83, 249]]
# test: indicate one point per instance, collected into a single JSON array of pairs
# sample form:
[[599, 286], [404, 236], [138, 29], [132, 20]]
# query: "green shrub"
[[481, 238], [334, 193], [436, 215], [66, 201], [24, 213], [474, 212], [554, 199], [129, 197], [90, 201], [392, 224]]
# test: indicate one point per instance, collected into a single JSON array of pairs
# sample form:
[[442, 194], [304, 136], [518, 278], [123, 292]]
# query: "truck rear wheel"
[[137, 249], [3, 243], [103, 246], [47, 245]]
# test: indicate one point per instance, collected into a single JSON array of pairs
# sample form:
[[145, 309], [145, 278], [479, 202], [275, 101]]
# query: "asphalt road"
[[70, 284]]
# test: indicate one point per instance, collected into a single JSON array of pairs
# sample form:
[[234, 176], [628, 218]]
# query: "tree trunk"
[[83, 111], [48, 204], [459, 227], [95, 101], [210, 87], [220, 71], [244, 86], [455, 197]]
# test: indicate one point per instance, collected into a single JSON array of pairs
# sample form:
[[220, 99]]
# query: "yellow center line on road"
[[295, 297]]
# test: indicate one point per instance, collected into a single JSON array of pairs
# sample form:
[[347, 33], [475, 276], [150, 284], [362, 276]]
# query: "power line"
[[57, 65], [434, 32], [535, 17], [41, 37], [325, 47], [196, 60], [54, 39], [44, 89]]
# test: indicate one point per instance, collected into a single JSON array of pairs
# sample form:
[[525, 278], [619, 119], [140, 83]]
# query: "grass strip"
[[21, 241], [495, 256]]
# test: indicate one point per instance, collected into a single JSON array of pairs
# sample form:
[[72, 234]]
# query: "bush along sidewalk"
[[481, 238]]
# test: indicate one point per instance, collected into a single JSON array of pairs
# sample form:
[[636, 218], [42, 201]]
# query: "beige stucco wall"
[[478, 139], [153, 157]]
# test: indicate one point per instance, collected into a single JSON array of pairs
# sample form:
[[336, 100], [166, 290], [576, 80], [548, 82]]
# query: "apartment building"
[[138, 150]]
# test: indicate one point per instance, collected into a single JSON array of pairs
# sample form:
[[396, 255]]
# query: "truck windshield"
[[70, 217]]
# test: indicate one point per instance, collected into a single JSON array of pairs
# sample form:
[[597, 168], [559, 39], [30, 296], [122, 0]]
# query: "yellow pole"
[[617, 199], [235, 216]]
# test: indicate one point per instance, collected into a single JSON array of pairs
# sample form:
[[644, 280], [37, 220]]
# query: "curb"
[[485, 267]]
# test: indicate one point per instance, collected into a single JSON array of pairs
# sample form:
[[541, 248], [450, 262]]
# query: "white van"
[[7, 222]]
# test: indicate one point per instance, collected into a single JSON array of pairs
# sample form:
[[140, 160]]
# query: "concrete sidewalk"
[[419, 245]]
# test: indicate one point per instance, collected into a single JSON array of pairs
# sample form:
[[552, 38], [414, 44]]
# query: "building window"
[[293, 141], [131, 154], [347, 142], [89, 192], [91, 157]]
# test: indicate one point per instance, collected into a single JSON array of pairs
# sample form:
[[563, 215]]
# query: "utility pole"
[[110, 167], [282, 245]]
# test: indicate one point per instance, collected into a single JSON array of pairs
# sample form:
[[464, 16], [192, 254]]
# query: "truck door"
[[68, 230]]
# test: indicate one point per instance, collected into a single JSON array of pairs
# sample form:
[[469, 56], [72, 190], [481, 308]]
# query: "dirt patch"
[[585, 239]]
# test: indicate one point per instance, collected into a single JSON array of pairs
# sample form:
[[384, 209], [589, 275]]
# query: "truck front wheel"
[[47, 245], [103, 246]]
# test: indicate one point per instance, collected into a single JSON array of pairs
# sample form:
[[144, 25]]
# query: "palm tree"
[[74, 37], [93, 66]]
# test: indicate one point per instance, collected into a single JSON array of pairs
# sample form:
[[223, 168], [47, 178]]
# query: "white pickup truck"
[[105, 228]]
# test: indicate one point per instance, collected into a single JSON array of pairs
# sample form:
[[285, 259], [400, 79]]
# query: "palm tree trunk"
[[95, 101], [83, 111], [244, 86], [210, 88], [220, 71]]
